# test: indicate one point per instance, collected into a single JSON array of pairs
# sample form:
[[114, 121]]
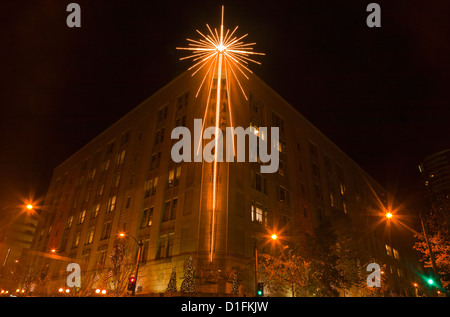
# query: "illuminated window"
[[147, 188], [92, 174], [281, 146], [255, 129], [395, 252], [147, 217], [95, 210], [388, 250], [69, 222], [281, 168], [106, 165], [174, 177], [90, 235], [120, 158], [154, 184], [100, 189], [81, 216], [342, 188], [111, 204], [257, 214], [76, 240], [332, 200], [150, 187]]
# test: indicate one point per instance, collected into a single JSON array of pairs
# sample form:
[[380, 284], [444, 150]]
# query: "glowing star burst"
[[222, 55]]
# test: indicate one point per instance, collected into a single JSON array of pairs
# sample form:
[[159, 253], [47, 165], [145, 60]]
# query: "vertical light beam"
[[220, 52]]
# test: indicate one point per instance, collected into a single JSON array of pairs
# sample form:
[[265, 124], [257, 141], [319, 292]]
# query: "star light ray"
[[224, 53]]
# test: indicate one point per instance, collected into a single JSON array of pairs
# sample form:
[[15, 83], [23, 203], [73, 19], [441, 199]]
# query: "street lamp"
[[140, 244], [273, 237], [425, 234]]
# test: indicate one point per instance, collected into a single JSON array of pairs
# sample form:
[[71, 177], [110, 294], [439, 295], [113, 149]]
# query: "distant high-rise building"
[[125, 181], [16, 235], [435, 170]]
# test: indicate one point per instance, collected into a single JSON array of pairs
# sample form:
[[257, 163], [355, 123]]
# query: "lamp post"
[[273, 237], [140, 244], [389, 215]]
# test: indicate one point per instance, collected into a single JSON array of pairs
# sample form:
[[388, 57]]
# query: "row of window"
[[159, 136], [392, 252], [165, 250], [111, 206]]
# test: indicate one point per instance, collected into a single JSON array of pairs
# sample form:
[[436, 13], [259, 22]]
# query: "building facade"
[[435, 170], [16, 236], [125, 181]]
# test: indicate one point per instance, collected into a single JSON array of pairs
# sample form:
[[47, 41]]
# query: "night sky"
[[380, 94]]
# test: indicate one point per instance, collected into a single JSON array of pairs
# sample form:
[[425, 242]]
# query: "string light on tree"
[[172, 286]]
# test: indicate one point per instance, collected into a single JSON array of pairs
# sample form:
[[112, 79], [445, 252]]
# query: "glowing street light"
[[430, 281], [140, 244], [257, 288]]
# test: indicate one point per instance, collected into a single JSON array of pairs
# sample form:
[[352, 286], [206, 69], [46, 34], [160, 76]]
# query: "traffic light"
[[131, 283], [260, 290]]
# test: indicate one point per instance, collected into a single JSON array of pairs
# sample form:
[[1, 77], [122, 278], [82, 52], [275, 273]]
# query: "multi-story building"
[[125, 181], [435, 170], [16, 235]]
